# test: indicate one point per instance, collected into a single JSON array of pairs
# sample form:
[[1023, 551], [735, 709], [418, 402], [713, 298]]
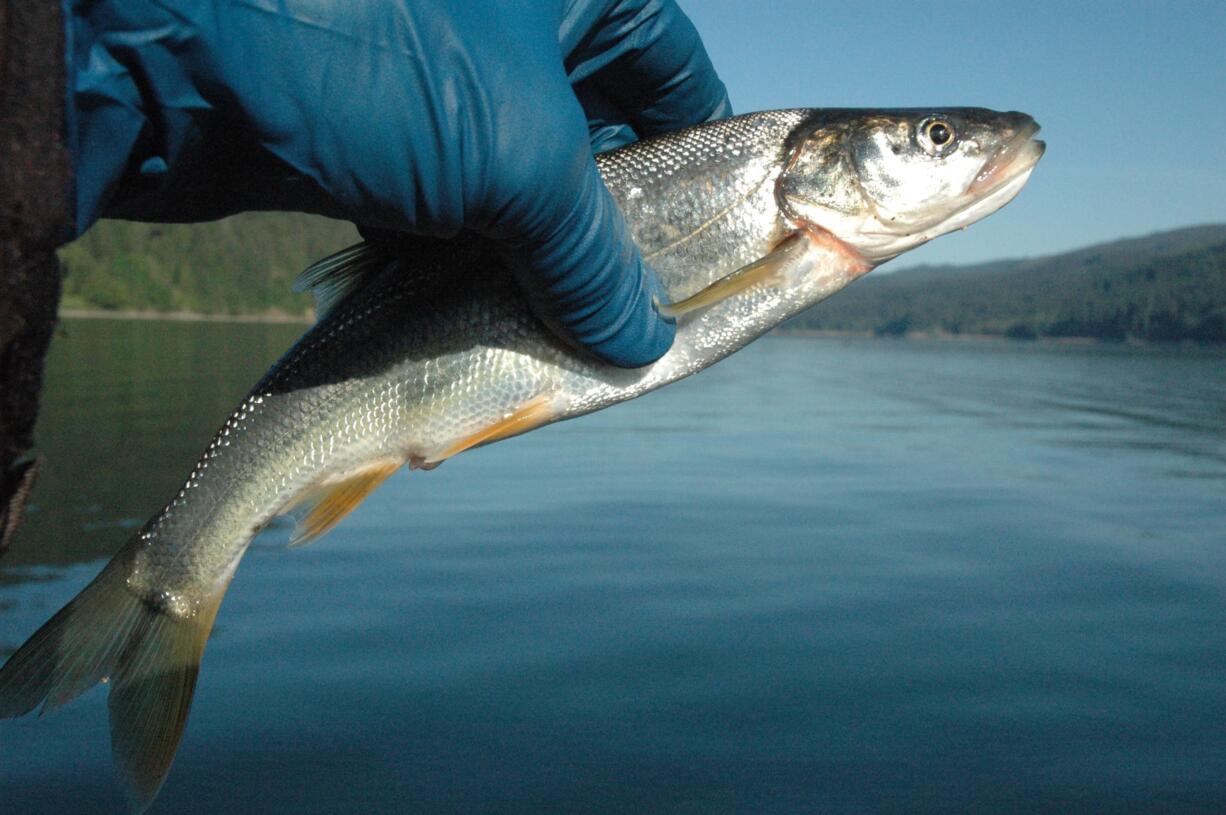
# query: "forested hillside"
[[1168, 286], [239, 265]]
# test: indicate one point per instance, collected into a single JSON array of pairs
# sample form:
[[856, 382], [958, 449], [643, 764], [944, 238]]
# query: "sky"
[[1131, 97]]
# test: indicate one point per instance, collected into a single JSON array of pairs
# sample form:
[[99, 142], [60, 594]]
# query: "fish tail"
[[149, 657]]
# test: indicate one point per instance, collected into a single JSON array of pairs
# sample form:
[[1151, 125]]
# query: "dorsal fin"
[[335, 277]]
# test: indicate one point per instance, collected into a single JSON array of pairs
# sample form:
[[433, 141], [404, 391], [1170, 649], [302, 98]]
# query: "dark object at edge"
[[35, 176]]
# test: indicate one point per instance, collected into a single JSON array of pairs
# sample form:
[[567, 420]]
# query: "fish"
[[423, 350]]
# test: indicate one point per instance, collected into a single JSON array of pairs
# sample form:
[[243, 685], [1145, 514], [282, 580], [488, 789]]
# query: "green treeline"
[[1170, 286], [239, 265]]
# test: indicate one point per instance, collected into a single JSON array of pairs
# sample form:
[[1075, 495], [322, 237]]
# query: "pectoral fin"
[[332, 500], [532, 415], [767, 269]]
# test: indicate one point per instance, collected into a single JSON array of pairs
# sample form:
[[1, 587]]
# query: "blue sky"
[[1131, 97]]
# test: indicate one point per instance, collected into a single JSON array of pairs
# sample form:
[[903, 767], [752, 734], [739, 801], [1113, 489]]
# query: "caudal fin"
[[149, 658]]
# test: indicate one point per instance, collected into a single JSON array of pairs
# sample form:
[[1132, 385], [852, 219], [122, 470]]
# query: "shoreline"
[[283, 318], [183, 316], [945, 337]]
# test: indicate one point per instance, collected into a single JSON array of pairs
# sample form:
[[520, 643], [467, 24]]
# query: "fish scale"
[[425, 350]]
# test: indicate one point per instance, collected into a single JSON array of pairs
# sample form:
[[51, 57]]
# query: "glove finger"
[[588, 282], [606, 123], [648, 59]]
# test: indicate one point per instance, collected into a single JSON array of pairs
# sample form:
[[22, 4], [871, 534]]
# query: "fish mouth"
[[1018, 155], [1001, 179]]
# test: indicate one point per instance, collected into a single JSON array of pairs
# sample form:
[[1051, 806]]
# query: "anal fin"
[[327, 503], [531, 415], [766, 269]]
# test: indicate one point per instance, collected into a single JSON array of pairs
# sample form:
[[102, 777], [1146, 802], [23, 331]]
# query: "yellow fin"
[[151, 695], [149, 656], [531, 415], [329, 502], [762, 270]]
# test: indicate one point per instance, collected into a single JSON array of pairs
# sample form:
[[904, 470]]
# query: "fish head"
[[884, 182]]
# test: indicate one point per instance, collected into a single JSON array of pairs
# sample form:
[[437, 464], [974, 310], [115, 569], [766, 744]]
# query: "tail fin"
[[151, 660]]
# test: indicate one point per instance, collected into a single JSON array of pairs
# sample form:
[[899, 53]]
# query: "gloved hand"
[[423, 116]]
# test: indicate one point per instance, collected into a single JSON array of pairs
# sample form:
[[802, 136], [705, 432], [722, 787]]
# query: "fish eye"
[[937, 136]]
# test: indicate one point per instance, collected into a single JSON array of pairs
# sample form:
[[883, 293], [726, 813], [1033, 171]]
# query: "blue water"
[[836, 576]]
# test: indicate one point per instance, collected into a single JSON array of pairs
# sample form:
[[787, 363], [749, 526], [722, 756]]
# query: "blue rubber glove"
[[423, 116]]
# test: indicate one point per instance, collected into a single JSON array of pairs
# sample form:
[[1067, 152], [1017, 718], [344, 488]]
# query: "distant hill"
[[239, 265], [1165, 286]]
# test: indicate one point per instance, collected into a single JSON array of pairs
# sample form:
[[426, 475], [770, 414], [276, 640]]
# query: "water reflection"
[[824, 576], [128, 407]]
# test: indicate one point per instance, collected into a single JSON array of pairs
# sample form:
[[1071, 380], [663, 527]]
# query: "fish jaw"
[[1016, 156], [999, 185]]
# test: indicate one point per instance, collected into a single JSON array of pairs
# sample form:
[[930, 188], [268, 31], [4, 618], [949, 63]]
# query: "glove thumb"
[[587, 280]]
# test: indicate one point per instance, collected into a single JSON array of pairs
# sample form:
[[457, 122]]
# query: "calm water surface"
[[826, 576]]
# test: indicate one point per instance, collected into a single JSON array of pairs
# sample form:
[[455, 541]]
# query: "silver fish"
[[414, 359]]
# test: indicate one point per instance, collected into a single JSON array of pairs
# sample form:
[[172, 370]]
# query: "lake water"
[[826, 576]]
